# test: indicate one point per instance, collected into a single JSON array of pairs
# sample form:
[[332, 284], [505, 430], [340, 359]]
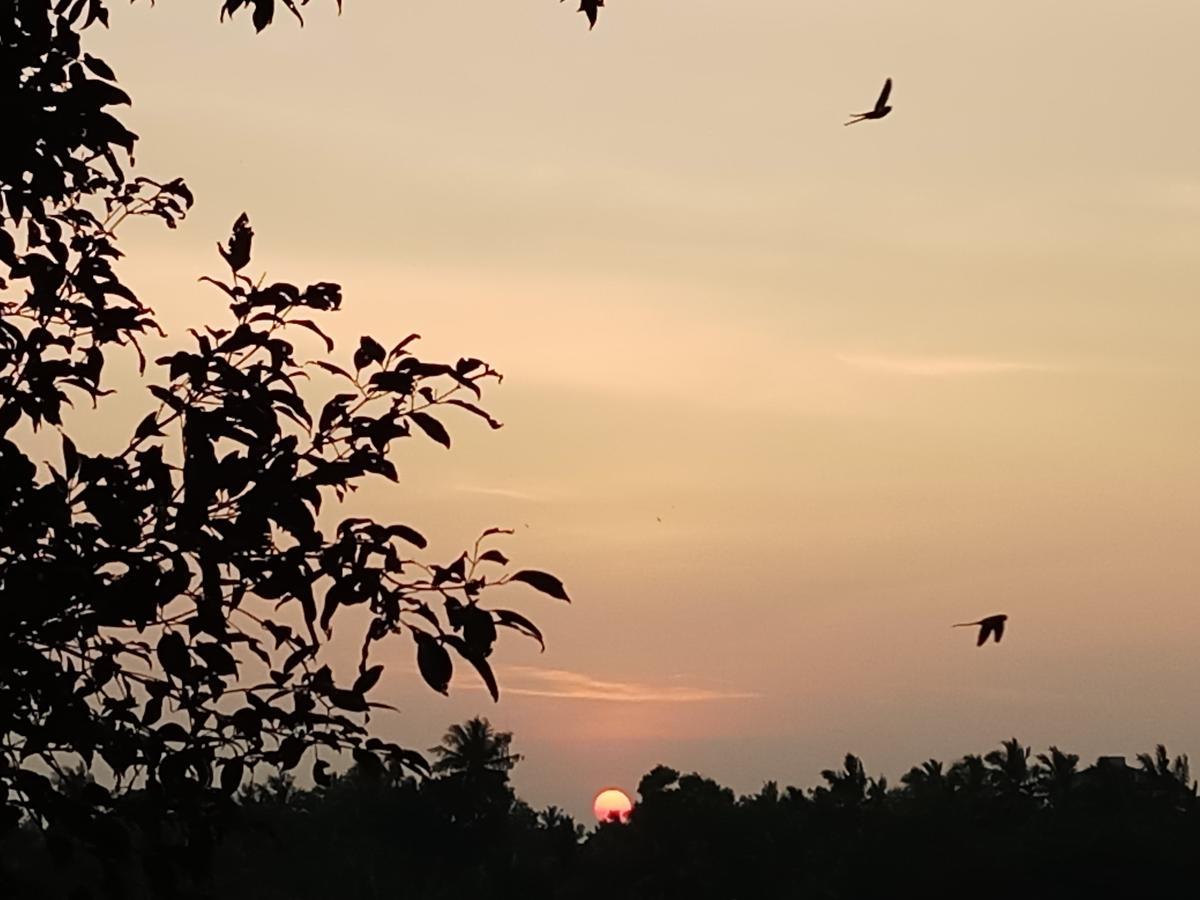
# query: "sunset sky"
[[873, 380]]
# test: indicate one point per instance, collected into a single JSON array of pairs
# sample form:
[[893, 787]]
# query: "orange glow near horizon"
[[612, 802]]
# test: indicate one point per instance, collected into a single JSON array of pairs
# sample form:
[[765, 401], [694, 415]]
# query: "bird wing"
[[590, 8], [884, 94], [985, 632], [998, 630]]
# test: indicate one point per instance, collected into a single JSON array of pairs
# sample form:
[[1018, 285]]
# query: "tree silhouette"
[[1170, 778], [849, 785], [363, 836], [475, 751], [1009, 766], [969, 776], [1056, 774], [167, 602], [926, 780]]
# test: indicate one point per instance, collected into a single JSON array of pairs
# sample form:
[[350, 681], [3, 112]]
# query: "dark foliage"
[[163, 608], [1007, 824]]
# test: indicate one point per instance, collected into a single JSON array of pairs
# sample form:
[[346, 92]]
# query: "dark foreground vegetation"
[[1006, 824]]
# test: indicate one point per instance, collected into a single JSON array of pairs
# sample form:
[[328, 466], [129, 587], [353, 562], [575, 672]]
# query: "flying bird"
[[881, 108], [992, 625], [590, 8]]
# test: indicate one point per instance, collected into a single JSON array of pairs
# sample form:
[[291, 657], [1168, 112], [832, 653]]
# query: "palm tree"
[[925, 780], [1171, 777], [1056, 774], [1009, 765], [969, 776], [1161, 766], [474, 751], [848, 787]]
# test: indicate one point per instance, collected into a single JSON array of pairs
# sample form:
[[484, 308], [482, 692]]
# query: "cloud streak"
[[533, 681], [507, 493], [939, 366]]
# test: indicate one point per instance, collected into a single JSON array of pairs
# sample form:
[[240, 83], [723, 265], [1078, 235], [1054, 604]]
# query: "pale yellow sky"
[[874, 380]]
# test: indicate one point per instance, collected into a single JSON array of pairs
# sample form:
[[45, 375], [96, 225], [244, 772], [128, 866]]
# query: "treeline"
[[1005, 824]]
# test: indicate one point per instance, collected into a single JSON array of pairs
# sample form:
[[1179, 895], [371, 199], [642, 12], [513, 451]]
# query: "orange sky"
[[874, 380]]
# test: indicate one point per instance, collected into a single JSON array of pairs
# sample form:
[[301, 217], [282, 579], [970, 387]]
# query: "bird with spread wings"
[[992, 625], [880, 109], [591, 9]]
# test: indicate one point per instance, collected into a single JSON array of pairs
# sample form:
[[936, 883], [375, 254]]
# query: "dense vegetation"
[[1004, 824], [168, 594]]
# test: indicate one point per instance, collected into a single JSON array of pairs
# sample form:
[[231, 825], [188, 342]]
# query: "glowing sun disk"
[[612, 802]]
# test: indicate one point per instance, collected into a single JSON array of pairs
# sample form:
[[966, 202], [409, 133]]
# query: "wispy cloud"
[[533, 681], [507, 493], [939, 366]]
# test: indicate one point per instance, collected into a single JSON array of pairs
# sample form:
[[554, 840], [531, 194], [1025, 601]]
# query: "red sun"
[[612, 803]]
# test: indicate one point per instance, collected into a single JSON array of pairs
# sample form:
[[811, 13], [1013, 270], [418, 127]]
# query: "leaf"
[[231, 775], [173, 732], [480, 664], [257, 650], [173, 654], [478, 630], [167, 397], [70, 457], [456, 571], [309, 604], [297, 657], [408, 534], [542, 581], [320, 773], [367, 763], [396, 382], [99, 67], [148, 427], [238, 253], [399, 348], [332, 369], [367, 680], [218, 658], [433, 662], [314, 327], [281, 633], [369, 351], [153, 711], [431, 427], [348, 700], [410, 759], [494, 556], [291, 749], [516, 621], [475, 409]]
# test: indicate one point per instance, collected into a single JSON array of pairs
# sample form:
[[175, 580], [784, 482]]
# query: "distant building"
[[1107, 772]]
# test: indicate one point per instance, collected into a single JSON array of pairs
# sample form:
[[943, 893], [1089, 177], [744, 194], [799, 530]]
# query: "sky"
[[873, 380]]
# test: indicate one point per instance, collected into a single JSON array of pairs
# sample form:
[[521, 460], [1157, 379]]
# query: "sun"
[[612, 803]]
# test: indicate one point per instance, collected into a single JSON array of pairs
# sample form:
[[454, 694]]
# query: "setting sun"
[[612, 802]]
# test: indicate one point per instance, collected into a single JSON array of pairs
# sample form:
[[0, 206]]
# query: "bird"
[[590, 8], [881, 108], [992, 625]]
